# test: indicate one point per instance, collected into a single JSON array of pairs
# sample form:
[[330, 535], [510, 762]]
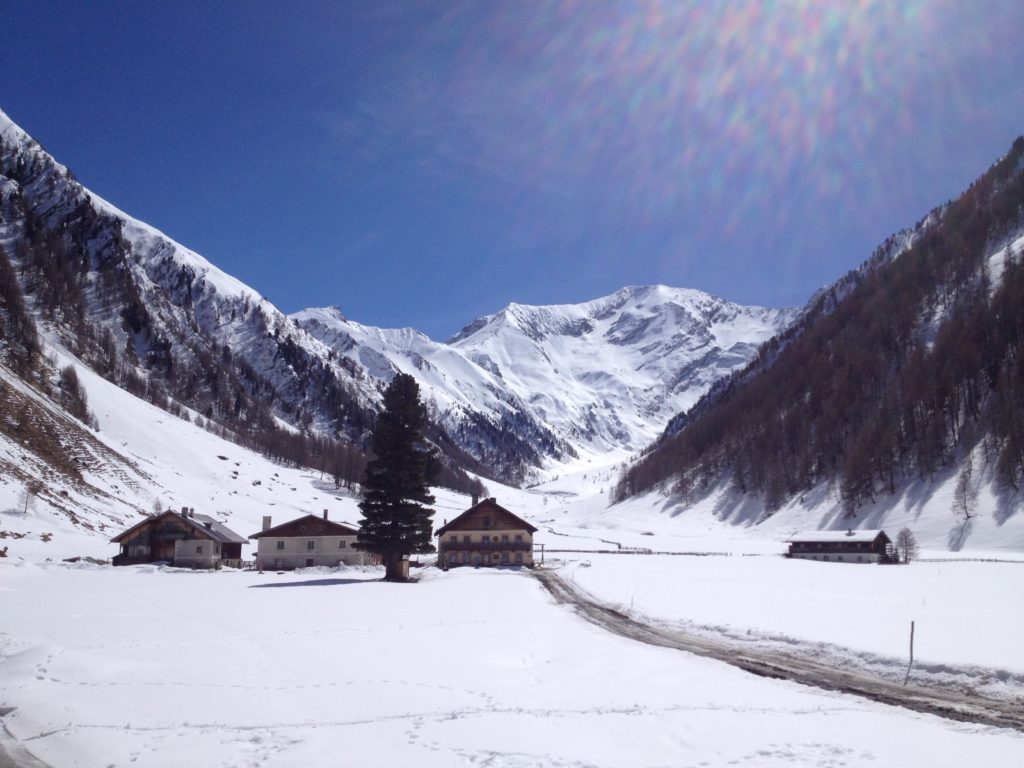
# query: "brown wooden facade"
[[180, 538], [486, 534], [850, 547]]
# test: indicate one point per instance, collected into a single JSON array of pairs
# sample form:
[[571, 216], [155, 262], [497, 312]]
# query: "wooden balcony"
[[485, 546]]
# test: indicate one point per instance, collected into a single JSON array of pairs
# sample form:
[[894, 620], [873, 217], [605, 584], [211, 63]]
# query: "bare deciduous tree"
[[906, 545], [965, 496], [27, 497]]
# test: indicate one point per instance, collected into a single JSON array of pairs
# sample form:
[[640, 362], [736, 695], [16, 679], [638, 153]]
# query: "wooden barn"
[[307, 541], [485, 534], [843, 546], [184, 539]]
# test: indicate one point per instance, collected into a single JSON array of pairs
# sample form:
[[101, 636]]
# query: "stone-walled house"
[[485, 534], [307, 541], [184, 539]]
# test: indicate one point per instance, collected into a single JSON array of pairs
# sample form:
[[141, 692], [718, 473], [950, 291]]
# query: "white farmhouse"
[[306, 542]]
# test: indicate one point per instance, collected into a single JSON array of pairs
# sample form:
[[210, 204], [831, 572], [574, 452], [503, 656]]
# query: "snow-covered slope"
[[598, 377], [517, 391], [165, 307]]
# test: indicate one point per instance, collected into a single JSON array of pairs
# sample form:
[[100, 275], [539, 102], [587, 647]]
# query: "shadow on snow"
[[314, 583]]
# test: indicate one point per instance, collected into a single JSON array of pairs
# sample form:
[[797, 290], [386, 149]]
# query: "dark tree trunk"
[[394, 570]]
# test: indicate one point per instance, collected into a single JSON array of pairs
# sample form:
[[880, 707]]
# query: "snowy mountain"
[[126, 297], [598, 377], [89, 286]]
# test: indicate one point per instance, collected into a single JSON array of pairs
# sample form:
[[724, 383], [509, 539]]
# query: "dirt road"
[[943, 702]]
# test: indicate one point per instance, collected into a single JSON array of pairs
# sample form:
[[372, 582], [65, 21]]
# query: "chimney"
[[184, 511], [191, 511], [325, 514], [266, 522], [476, 499]]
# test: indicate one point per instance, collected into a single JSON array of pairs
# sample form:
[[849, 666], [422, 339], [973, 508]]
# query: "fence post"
[[911, 664]]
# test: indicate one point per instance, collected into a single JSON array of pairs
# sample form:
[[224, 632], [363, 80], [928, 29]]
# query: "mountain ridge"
[[171, 326]]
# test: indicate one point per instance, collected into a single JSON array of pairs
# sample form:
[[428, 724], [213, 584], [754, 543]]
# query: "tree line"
[[899, 370]]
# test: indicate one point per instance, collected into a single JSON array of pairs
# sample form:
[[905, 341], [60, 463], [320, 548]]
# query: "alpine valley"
[[101, 311], [135, 376]]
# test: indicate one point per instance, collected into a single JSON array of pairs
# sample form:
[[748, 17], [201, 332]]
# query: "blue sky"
[[423, 163]]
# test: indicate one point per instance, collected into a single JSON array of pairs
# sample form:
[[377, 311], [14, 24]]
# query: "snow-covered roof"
[[834, 536]]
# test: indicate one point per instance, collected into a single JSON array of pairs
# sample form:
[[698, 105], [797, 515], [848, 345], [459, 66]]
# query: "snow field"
[[968, 618], [149, 667]]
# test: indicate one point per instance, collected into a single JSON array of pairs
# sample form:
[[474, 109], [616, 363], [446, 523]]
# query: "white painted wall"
[[840, 557], [196, 553], [288, 552]]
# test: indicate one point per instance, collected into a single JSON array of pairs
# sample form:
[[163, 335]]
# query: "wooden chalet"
[[307, 541], [843, 546], [184, 539], [485, 534]]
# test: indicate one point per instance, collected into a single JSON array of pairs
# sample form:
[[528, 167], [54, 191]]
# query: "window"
[[504, 557], [519, 557], [341, 544], [455, 538], [309, 562], [487, 539], [504, 537], [519, 537], [465, 539], [310, 544], [280, 545], [199, 549]]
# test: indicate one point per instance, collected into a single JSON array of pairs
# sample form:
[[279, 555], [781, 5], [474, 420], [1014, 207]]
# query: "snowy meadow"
[[150, 666]]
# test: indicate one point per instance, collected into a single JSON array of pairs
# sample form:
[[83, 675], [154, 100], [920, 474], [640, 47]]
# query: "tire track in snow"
[[944, 702]]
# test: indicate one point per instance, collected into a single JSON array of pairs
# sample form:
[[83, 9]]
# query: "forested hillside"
[[165, 325], [910, 365]]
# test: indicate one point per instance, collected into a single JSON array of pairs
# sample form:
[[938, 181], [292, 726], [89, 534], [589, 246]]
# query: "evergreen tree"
[[397, 519]]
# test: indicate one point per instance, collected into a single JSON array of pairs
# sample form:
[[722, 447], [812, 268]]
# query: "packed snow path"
[[952, 704]]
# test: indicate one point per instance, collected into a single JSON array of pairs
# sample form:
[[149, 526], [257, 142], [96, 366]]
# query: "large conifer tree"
[[397, 519]]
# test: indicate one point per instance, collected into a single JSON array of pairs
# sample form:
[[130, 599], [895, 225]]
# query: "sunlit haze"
[[421, 163]]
